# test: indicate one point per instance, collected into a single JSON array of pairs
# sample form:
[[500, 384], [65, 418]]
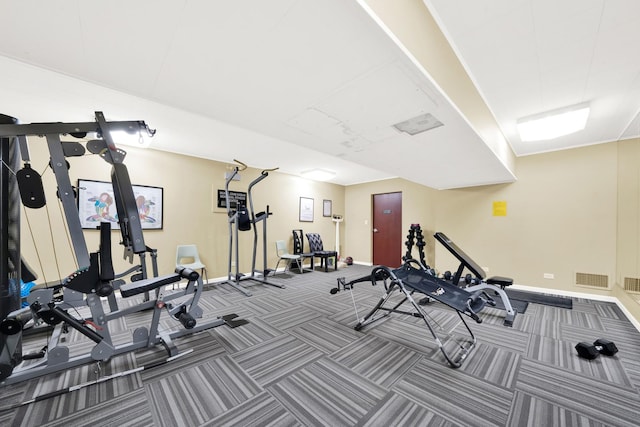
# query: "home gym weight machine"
[[94, 277], [242, 220]]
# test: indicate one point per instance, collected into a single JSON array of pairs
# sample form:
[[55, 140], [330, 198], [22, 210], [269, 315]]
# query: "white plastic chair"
[[187, 256], [283, 254]]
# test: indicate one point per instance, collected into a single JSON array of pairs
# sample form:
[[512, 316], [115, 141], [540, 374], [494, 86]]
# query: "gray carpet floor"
[[299, 362]]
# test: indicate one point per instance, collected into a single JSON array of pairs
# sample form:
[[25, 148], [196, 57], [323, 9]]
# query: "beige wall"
[[561, 219], [570, 211], [418, 206], [628, 232], [189, 217]]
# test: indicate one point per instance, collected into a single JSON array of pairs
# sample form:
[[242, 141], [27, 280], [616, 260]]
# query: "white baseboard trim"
[[368, 264]]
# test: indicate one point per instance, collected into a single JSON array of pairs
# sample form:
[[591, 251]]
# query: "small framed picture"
[[306, 209], [326, 208]]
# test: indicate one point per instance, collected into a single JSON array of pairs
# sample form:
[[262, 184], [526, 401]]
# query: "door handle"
[[375, 230]]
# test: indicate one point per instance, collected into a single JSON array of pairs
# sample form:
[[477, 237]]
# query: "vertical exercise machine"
[[94, 275], [241, 219], [260, 217]]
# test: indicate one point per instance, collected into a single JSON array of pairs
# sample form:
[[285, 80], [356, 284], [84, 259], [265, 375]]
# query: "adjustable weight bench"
[[495, 283], [413, 277]]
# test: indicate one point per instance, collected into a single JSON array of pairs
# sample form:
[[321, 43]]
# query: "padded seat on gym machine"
[[134, 288], [316, 247], [146, 285], [500, 281]]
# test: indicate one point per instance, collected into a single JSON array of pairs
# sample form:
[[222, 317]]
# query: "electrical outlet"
[[548, 276]]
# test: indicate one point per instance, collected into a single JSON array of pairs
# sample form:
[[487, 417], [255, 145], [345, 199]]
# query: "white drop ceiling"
[[532, 56], [304, 84]]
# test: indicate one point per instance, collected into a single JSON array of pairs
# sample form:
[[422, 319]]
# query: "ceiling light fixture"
[[553, 124], [136, 139], [318, 174]]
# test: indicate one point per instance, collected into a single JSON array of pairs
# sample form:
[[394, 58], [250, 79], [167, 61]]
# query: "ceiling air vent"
[[632, 284], [593, 280], [418, 124]]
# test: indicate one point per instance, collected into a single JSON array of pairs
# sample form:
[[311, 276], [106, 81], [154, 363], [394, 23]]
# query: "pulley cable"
[[33, 240]]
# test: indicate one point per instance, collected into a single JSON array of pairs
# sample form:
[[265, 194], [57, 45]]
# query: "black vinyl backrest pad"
[[127, 208], [460, 255], [106, 263], [438, 289]]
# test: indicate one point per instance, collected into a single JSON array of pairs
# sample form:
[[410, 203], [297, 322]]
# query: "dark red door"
[[387, 229]]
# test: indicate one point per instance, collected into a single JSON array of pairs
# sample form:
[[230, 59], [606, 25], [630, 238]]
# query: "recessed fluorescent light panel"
[[553, 124], [418, 124], [318, 174]]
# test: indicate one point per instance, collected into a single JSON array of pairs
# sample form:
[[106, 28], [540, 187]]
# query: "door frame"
[[397, 237]]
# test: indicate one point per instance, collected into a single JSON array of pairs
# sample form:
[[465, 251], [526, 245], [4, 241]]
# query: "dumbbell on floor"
[[599, 346]]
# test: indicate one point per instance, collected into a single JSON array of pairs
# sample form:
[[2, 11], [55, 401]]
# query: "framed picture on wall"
[[326, 208], [96, 204], [306, 209]]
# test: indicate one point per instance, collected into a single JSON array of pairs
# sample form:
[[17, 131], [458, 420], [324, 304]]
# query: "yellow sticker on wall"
[[500, 208]]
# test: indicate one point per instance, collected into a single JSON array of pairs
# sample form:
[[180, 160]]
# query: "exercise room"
[[320, 213]]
